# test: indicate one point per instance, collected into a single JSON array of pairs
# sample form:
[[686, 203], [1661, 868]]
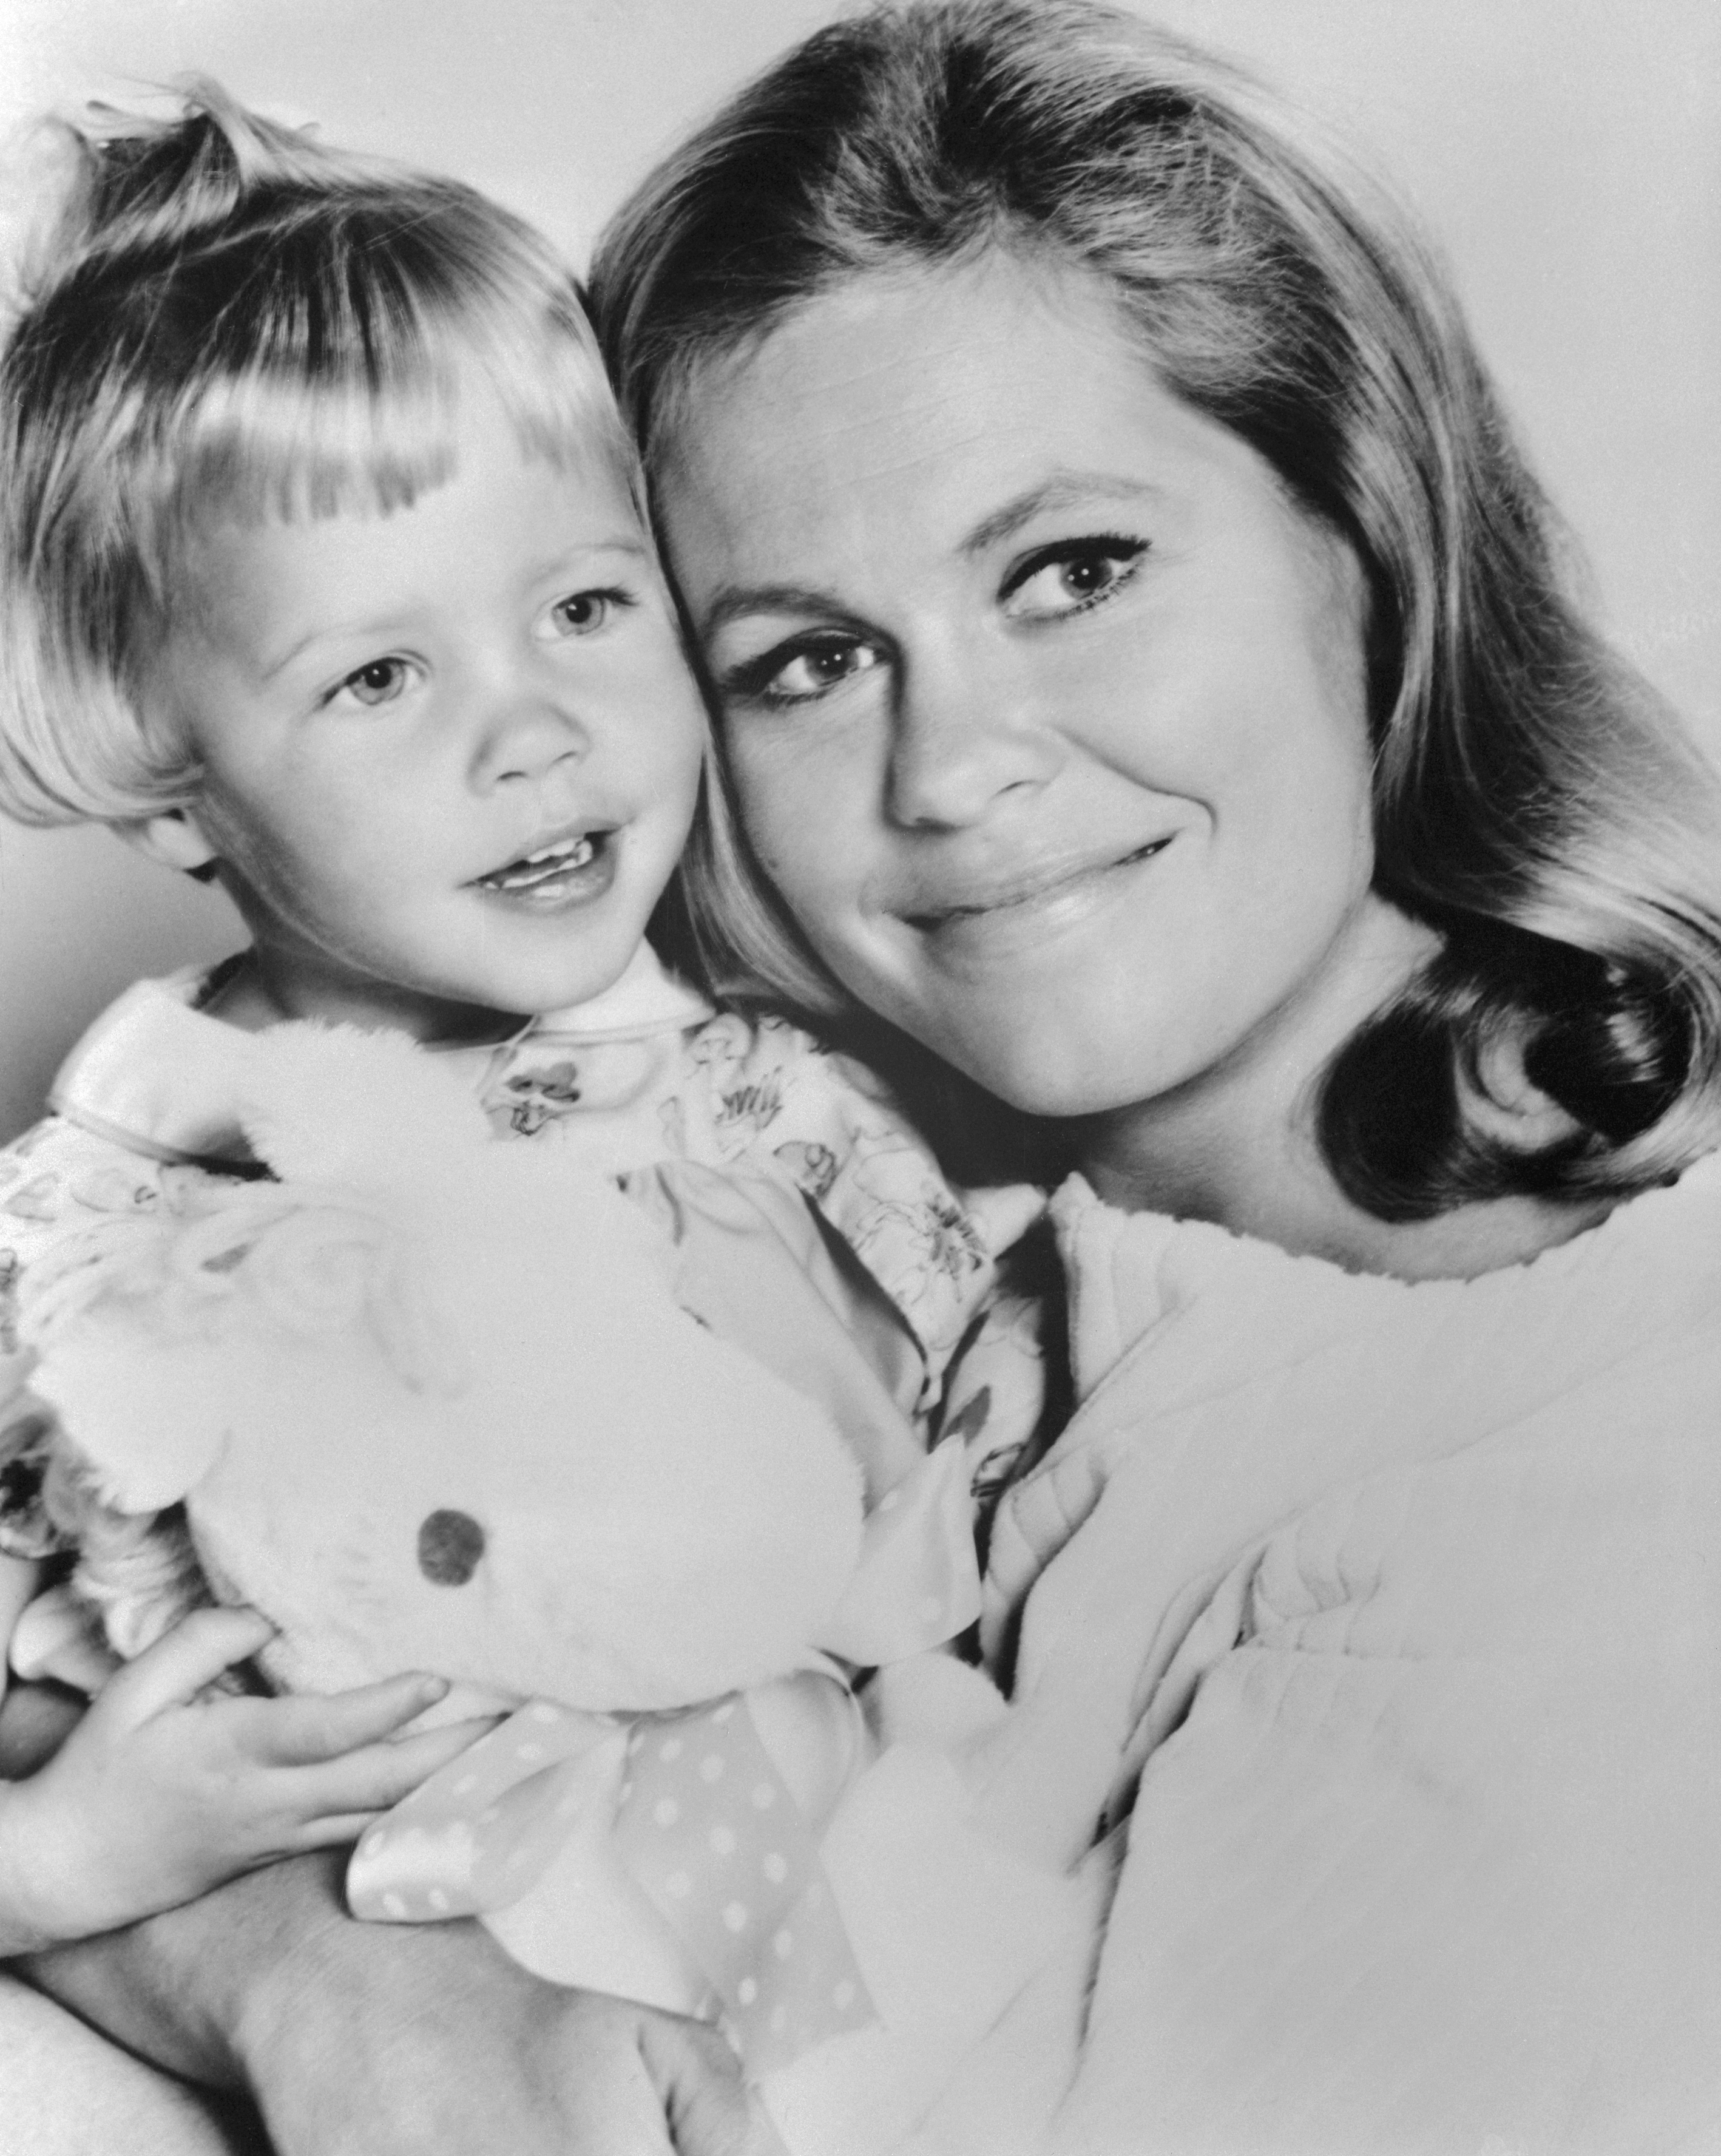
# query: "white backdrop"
[[1567, 152]]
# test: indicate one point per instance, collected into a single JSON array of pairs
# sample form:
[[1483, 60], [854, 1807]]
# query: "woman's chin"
[[1043, 1078]]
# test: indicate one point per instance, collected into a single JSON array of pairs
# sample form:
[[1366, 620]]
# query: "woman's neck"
[[1238, 1145]]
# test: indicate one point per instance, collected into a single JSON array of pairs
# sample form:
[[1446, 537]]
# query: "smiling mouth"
[[1005, 898], [570, 867]]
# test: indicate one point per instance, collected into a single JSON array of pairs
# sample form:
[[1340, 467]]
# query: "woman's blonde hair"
[[1534, 801], [227, 317]]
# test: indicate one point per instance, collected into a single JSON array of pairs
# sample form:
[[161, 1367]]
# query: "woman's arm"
[[361, 2039], [1429, 1862], [364, 2039]]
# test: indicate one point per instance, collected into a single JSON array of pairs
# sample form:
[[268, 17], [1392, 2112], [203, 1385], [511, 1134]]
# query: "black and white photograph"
[[860, 1078]]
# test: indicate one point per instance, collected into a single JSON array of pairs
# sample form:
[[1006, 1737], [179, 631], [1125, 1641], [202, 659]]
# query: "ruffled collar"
[[1227, 1382], [157, 1074], [1143, 1280]]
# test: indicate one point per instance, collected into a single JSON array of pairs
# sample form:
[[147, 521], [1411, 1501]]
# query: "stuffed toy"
[[428, 1404], [424, 1398]]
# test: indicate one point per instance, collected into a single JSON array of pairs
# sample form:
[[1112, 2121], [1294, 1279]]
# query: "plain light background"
[[1566, 152]]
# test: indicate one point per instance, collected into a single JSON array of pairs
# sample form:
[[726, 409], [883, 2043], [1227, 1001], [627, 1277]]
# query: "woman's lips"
[[1044, 898]]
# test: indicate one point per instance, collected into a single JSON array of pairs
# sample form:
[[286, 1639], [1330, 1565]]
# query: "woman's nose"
[[527, 727], [963, 738]]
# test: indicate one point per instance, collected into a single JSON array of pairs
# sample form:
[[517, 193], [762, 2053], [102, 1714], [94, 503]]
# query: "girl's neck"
[[1238, 1146], [254, 995]]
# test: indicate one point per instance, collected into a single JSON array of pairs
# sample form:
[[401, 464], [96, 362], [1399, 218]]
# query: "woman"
[[1145, 680], [1145, 686]]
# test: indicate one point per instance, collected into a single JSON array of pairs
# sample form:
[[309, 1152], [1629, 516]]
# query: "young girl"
[[326, 578]]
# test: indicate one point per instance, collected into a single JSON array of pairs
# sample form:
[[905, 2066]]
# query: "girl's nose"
[[527, 729], [963, 739]]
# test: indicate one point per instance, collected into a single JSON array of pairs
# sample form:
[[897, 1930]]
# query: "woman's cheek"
[[797, 802]]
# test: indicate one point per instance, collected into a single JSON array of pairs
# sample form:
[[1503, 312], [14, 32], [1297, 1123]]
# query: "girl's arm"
[[157, 1795], [374, 2039]]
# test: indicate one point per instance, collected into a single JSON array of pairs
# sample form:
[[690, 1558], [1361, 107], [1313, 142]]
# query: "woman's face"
[[1044, 705]]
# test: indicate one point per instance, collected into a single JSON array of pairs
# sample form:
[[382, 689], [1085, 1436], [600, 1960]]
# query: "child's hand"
[[157, 1796]]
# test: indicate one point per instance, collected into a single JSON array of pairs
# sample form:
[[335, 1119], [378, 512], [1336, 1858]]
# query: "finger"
[[312, 1726], [335, 1830], [378, 1775], [698, 2078], [621, 2107], [36, 1721], [180, 1664]]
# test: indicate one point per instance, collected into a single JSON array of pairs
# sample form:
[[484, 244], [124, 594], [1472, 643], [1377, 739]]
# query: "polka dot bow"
[[710, 1831], [702, 1821], [704, 1824]]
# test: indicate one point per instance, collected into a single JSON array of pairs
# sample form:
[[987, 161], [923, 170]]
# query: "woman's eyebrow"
[[1063, 490], [733, 601]]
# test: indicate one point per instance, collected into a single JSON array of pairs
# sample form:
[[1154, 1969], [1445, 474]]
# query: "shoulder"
[[58, 1179], [766, 1097], [779, 1101], [768, 1091], [57, 1182], [127, 1107], [1155, 1299], [1371, 1439]]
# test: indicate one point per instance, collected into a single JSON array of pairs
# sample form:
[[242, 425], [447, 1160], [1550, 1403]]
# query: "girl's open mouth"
[[579, 866]]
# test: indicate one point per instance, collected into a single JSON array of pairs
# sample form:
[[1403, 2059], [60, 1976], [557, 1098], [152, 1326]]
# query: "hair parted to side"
[[226, 317], [1533, 800]]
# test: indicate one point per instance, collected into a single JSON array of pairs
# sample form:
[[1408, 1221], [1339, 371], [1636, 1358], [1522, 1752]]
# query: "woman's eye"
[[1070, 577], [380, 682], [581, 613], [796, 673]]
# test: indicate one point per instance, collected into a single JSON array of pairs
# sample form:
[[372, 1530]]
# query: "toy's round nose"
[[449, 1547]]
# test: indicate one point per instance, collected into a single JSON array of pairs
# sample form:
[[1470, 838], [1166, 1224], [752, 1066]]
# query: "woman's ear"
[[176, 840]]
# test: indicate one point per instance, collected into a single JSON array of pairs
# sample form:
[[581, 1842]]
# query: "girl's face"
[[450, 753], [1044, 704]]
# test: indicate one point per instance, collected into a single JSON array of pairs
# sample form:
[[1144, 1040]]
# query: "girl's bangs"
[[266, 445]]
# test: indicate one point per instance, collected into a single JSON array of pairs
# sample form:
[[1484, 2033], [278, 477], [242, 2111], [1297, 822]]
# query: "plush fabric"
[[366, 1343], [146, 1107], [1382, 1621], [1385, 1620]]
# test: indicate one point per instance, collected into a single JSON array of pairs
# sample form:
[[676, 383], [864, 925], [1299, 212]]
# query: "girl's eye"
[[1071, 576], [380, 682], [583, 613], [803, 669]]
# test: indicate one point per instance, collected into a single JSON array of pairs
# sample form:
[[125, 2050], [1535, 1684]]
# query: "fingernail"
[[434, 1687]]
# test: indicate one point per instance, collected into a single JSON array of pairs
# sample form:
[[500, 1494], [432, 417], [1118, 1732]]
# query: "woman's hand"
[[157, 1795], [383, 2040], [473, 2053]]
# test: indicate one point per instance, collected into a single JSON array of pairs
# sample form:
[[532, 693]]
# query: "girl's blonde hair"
[[1533, 800], [228, 317]]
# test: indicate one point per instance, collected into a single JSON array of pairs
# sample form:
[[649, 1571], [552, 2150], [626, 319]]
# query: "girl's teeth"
[[566, 857], [579, 851]]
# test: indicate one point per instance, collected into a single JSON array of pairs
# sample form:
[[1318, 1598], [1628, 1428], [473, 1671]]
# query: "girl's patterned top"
[[684, 1106]]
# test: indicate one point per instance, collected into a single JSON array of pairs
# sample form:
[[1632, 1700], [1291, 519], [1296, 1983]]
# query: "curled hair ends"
[[1533, 800]]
